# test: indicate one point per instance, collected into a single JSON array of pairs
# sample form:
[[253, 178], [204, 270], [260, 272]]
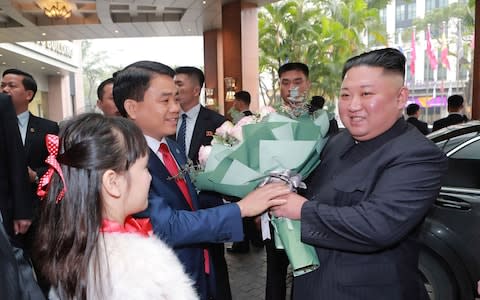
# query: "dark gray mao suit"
[[367, 201]]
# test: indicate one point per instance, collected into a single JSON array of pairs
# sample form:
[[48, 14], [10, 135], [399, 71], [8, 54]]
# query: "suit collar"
[[361, 149]]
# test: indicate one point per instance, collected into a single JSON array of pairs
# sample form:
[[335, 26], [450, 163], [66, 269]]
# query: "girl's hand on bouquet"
[[292, 207], [262, 198]]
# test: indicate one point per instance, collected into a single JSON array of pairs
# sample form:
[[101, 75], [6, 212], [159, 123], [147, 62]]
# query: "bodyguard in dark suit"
[[242, 102], [242, 105], [200, 125], [201, 122], [366, 200], [15, 201], [174, 209], [22, 87], [413, 112], [455, 106]]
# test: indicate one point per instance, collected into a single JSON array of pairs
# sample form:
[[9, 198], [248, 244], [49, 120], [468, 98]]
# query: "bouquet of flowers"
[[269, 147]]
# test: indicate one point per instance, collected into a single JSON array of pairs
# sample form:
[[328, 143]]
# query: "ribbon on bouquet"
[[302, 257]]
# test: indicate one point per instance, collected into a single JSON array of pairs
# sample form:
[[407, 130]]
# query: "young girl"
[[88, 245]]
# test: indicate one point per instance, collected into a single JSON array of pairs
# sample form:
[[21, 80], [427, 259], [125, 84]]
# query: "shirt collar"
[[192, 113], [154, 144], [23, 118]]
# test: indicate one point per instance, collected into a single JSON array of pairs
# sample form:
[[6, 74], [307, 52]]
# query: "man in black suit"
[[15, 201], [455, 106], [317, 103], [200, 124], [413, 112], [367, 199], [242, 102], [294, 86], [21, 87], [105, 98], [252, 234]]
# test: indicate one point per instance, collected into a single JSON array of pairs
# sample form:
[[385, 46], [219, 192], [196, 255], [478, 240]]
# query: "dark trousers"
[[277, 264], [222, 282]]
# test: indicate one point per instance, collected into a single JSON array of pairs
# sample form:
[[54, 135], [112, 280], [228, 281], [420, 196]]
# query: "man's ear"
[[402, 97], [111, 184], [29, 95], [131, 107], [197, 90]]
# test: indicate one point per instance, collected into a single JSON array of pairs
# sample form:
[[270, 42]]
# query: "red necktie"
[[172, 168]]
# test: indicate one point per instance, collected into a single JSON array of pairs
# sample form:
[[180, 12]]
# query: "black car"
[[450, 236]]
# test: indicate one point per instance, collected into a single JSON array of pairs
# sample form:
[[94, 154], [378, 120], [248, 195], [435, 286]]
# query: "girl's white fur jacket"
[[137, 267]]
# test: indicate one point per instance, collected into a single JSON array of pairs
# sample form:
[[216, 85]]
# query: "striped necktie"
[[182, 132]]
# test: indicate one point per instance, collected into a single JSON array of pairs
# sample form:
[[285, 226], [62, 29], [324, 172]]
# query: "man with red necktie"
[[145, 92]]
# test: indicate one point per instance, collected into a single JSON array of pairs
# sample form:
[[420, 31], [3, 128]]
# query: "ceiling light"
[[43, 68], [44, 34], [57, 10], [24, 62], [204, 2]]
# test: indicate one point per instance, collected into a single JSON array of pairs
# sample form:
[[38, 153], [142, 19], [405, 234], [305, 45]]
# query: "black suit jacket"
[[367, 201], [422, 126], [207, 122], [15, 200], [451, 119], [35, 147]]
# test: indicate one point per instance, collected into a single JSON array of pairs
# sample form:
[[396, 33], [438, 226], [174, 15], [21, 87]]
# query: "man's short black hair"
[[412, 109], [390, 59], [100, 91], [455, 101], [243, 96], [28, 82], [192, 72], [134, 80], [293, 66]]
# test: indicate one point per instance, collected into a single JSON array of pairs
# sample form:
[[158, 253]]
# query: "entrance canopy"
[[25, 20]]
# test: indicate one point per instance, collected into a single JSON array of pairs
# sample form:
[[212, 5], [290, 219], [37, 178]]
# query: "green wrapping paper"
[[278, 142], [302, 257]]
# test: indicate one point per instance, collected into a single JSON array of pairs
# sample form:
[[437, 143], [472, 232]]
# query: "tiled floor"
[[247, 274]]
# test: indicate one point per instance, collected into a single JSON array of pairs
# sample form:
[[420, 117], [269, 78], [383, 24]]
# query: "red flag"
[[413, 55], [431, 55], [444, 53]]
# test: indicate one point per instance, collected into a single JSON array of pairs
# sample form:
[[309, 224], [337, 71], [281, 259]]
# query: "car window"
[[470, 151], [463, 166], [449, 144]]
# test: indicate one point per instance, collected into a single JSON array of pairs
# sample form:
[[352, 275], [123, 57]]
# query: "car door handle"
[[452, 202]]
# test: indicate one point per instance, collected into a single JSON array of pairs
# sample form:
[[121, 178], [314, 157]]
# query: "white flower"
[[236, 131], [224, 129], [203, 154], [266, 110]]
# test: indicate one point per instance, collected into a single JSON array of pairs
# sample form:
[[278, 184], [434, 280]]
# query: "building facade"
[[439, 55], [56, 67]]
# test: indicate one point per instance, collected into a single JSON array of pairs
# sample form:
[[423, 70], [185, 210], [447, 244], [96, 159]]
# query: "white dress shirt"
[[23, 119], [191, 119]]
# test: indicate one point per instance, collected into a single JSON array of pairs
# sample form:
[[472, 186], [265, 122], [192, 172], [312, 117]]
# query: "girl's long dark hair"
[[67, 235]]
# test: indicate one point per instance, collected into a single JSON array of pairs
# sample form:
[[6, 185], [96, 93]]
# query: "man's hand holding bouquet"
[[274, 146]]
